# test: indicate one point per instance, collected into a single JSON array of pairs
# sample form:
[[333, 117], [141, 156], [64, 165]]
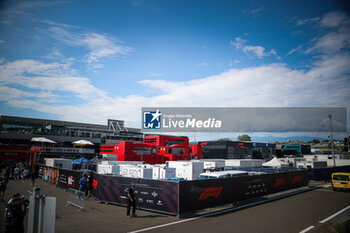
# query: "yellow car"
[[341, 180]]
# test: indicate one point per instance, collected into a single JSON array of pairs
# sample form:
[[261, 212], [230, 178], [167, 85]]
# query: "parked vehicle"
[[341, 180]]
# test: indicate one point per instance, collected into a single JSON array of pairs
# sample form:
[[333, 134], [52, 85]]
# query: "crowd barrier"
[[76, 198], [179, 197]]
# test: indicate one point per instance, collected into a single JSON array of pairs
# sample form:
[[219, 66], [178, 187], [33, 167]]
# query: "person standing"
[[15, 212], [82, 185], [131, 201], [4, 182], [89, 184]]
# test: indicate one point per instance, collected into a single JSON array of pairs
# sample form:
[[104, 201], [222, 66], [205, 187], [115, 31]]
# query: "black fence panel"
[[69, 179], [179, 197], [201, 194], [155, 195], [60, 177], [324, 174]]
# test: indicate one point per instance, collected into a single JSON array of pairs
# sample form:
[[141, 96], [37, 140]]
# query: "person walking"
[[16, 173], [131, 201], [25, 174], [33, 176]]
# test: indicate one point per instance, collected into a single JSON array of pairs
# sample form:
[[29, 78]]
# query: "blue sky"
[[88, 61]]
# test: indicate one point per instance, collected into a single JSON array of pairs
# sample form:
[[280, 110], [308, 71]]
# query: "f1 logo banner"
[[164, 119], [210, 192]]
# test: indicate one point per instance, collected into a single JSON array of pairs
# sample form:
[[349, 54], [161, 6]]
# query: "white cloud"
[[294, 50], [334, 19], [238, 42], [203, 64], [332, 42], [327, 83], [45, 79], [257, 10], [232, 63], [100, 45], [154, 75], [15, 10], [300, 22], [257, 51], [337, 37]]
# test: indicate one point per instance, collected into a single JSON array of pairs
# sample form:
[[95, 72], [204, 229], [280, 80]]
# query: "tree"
[[315, 141], [244, 137], [224, 139]]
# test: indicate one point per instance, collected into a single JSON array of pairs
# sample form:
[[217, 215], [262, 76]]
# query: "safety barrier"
[[324, 174], [76, 198], [178, 197]]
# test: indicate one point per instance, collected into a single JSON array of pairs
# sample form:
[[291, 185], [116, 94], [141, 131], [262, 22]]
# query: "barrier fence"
[[155, 195], [201, 194], [76, 198], [176, 198], [324, 174]]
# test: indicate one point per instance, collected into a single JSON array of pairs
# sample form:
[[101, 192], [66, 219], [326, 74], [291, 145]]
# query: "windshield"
[[341, 177]]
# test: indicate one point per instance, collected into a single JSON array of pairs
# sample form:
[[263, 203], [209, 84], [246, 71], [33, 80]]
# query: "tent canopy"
[[82, 142], [276, 163], [81, 160], [42, 139]]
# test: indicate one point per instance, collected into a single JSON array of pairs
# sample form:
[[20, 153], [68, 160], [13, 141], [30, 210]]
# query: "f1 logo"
[[210, 192], [152, 120], [279, 182], [296, 179]]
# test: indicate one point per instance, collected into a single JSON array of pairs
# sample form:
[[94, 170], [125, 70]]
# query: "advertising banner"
[[201, 194], [50, 174], [229, 119], [69, 179], [60, 177], [179, 197], [161, 196]]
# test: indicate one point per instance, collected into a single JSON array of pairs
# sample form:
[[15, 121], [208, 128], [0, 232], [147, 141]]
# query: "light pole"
[[330, 122]]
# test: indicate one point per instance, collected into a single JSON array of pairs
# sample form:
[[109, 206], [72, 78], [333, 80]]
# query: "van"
[[341, 181], [221, 174]]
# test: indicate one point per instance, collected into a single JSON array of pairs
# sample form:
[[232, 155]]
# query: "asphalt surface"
[[291, 214]]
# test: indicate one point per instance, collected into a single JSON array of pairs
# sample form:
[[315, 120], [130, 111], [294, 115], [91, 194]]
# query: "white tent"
[[42, 139], [82, 142], [275, 163]]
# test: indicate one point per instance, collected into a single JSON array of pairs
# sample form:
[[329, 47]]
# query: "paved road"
[[291, 214]]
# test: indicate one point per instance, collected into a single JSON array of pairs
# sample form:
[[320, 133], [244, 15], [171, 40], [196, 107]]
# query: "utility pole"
[[330, 122]]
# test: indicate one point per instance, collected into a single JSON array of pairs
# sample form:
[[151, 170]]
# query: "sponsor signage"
[[161, 196], [179, 197], [165, 119], [201, 194]]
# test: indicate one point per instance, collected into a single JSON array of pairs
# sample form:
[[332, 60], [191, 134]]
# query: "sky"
[[89, 61]]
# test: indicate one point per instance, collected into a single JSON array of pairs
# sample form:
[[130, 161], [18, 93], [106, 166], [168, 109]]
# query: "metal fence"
[[76, 198]]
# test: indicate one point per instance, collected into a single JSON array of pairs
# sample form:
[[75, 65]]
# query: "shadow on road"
[[151, 216]]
